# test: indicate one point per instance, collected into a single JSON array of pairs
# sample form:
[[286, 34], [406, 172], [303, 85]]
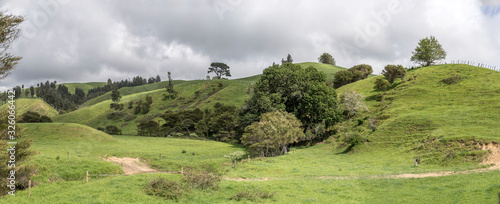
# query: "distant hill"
[[433, 119], [24, 105], [84, 86]]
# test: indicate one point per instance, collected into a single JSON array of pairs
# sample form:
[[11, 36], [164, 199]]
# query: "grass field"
[[419, 118], [303, 176]]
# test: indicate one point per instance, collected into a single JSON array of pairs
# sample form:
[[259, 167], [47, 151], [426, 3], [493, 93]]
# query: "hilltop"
[[430, 119], [24, 105]]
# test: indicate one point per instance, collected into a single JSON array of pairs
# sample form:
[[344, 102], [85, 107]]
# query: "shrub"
[[145, 108], [392, 72], [130, 105], [164, 188], [34, 117], [115, 115], [382, 84], [129, 118], [253, 196], [113, 130], [200, 179], [45, 119], [184, 151], [235, 156], [453, 79], [100, 128]]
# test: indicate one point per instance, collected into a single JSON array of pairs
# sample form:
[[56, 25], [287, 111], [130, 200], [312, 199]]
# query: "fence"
[[467, 62]]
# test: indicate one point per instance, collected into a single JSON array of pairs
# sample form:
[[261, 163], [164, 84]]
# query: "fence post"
[[29, 188], [248, 158], [87, 177], [182, 170], [235, 164]]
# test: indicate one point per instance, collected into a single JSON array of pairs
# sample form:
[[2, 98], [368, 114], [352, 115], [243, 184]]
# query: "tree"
[[392, 72], [220, 69], [272, 134], [8, 33], [364, 68], [145, 108], [158, 79], [382, 84], [293, 89], [288, 59], [326, 58], [342, 78], [109, 81], [113, 130], [148, 128], [170, 87], [428, 51], [32, 91], [352, 103], [115, 95], [149, 99]]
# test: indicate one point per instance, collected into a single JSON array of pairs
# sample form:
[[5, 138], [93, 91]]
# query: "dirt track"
[[135, 166]]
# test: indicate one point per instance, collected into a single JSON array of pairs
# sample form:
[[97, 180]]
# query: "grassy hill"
[[433, 120], [84, 86], [328, 69], [24, 105]]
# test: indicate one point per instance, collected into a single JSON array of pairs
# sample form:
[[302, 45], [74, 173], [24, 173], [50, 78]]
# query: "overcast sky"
[[93, 40]]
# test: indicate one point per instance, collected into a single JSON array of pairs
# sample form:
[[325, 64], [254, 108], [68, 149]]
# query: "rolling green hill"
[[95, 111], [24, 105], [433, 120], [328, 69], [84, 86]]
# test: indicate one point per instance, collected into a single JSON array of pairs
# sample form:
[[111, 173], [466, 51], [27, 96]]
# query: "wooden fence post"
[[182, 170], [87, 177], [248, 158], [29, 188]]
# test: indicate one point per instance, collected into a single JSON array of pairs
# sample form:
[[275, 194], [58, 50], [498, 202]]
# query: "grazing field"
[[306, 175], [447, 126]]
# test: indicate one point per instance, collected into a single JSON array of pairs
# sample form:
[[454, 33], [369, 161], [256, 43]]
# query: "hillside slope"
[[328, 69], [436, 121], [24, 105], [201, 94]]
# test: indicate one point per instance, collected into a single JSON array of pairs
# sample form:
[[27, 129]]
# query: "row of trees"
[[351, 75]]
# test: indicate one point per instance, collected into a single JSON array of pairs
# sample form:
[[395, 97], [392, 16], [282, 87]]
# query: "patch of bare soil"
[[131, 166], [494, 157]]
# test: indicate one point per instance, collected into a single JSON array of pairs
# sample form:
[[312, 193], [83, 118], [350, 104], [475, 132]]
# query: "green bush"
[[453, 79], [235, 156], [113, 130], [201, 179], [164, 188], [34, 117], [253, 196]]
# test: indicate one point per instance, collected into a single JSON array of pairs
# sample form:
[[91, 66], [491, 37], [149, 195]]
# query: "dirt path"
[[131, 166], [135, 166]]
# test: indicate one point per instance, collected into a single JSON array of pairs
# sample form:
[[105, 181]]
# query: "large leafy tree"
[[392, 72], [428, 51], [272, 134], [355, 73], [326, 58], [115, 95], [8, 33], [220, 69], [293, 89]]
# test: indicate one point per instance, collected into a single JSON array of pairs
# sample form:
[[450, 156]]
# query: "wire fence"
[[472, 63]]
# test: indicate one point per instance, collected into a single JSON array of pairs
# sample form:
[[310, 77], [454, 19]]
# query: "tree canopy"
[[220, 69], [272, 134], [8, 33], [293, 89], [392, 72], [428, 51], [326, 58]]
